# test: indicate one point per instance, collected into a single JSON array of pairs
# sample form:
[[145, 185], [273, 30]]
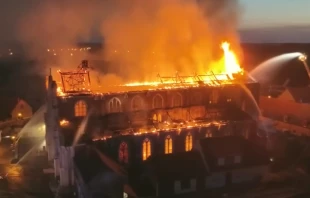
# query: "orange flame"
[[229, 65], [230, 60]]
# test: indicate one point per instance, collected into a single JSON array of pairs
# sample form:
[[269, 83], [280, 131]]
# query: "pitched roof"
[[229, 147], [177, 165], [300, 94]]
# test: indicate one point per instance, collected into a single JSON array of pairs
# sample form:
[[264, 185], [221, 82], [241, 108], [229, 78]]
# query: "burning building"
[[139, 120]]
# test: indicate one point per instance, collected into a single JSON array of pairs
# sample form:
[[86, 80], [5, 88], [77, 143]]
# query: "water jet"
[[263, 71]]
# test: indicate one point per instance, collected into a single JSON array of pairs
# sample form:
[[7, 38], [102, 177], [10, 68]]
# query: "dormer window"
[[221, 161], [237, 159]]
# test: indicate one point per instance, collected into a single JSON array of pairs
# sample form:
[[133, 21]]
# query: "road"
[[26, 179]]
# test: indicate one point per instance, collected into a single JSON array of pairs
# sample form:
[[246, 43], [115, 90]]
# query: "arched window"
[[177, 100], [114, 105], [214, 97], [209, 134], [158, 102], [188, 142], [146, 149], [80, 108], [168, 145], [123, 153], [157, 117], [137, 103]]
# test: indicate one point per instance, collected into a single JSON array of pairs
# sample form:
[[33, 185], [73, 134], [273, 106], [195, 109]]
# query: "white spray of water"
[[35, 127], [81, 128], [258, 118], [251, 97], [26, 155], [266, 69]]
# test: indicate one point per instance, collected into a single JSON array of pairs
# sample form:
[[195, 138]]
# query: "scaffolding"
[[212, 79], [77, 81]]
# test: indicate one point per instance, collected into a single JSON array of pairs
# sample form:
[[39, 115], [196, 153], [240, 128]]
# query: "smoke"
[[144, 38], [141, 38]]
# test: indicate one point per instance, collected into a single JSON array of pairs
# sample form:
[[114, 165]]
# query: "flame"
[[230, 61], [64, 122], [60, 92], [229, 64]]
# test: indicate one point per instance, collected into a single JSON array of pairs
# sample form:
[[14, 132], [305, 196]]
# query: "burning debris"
[[79, 81]]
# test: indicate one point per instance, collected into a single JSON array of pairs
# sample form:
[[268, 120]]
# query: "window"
[[214, 96], [158, 102], [209, 133], [188, 142], [80, 108], [157, 117], [237, 159], [123, 153], [177, 100], [146, 149], [168, 145], [137, 103], [114, 105], [221, 161]]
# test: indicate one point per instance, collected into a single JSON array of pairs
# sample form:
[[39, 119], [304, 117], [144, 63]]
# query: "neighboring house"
[[296, 94], [216, 163], [292, 106], [21, 110], [175, 174], [12, 108], [232, 161]]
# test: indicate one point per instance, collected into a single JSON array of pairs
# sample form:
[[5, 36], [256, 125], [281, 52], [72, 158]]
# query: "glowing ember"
[[60, 92], [64, 122]]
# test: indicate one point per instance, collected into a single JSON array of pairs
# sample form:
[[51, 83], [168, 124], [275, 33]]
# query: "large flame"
[[230, 60], [229, 65]]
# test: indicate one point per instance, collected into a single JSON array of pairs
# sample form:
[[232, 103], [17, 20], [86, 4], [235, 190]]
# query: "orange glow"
[[64, 122], [168, 127], [230, 65], [60, 92], [226, 67], [230, 60]]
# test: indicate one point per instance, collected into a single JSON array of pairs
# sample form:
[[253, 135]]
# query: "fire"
[[60, 92], [231, 66], [230, 60]]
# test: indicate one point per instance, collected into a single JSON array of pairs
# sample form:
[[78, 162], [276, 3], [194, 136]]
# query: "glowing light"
[[302, 57], [13, 137], [64, 122], [231, 67], [60, 92], [19, 114], [231, 63]]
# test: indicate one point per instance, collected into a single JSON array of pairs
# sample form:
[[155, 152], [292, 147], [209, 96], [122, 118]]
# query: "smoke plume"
[[141, 38]]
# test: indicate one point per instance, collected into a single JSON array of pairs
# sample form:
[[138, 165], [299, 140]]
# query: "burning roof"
[[79, 81]]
